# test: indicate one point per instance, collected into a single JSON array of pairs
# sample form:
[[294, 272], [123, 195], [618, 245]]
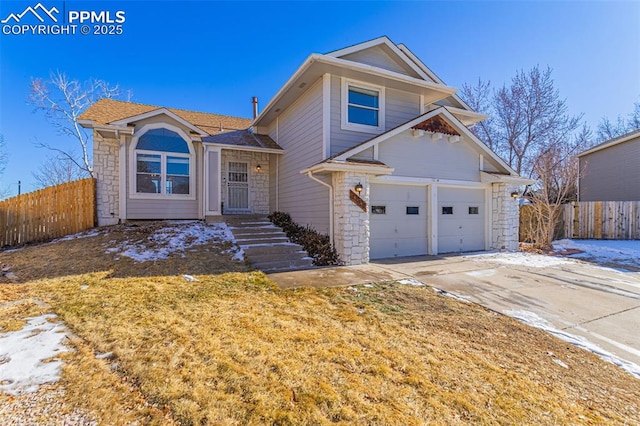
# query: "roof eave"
[[334, 166], [244, 148], [615, 141]]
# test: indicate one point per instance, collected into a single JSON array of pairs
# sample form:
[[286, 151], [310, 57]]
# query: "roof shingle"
[[106, 111]]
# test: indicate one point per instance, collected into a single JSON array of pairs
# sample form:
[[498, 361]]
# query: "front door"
[[237, 187]]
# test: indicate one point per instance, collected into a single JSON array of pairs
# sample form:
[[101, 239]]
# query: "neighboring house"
[[610, 171], [370, 117]]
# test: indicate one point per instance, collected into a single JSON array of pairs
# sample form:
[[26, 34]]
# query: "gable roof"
[[108, 111], [612, 142], [443, 114]]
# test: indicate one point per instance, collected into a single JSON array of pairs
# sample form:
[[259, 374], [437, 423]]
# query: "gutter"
[[312, 177]]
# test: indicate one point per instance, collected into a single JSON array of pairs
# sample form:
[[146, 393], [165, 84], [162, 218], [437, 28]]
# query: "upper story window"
[[362, 107], [163, 165]]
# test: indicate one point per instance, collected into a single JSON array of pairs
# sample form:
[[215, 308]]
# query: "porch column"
[[351, 223], [505, 214]]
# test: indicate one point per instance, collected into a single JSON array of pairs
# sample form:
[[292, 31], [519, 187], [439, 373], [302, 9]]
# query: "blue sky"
[[214, 56]]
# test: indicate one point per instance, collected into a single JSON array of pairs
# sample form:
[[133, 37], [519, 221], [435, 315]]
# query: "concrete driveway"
[[599, 304]]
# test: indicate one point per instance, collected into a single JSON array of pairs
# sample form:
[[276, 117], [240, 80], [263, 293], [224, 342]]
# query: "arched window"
[[163, 163]]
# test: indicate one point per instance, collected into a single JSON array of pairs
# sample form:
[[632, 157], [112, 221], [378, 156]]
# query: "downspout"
[[310, 174]]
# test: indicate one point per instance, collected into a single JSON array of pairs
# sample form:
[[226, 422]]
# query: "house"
[[609, 171], [364, 143]]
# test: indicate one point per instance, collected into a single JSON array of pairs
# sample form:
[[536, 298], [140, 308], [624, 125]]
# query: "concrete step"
[[273, 255], [266, 246], [284, 265], [281, 248], [255, 240]]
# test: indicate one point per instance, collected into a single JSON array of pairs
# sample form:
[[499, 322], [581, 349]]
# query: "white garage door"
[[398, 221], [461, 220]]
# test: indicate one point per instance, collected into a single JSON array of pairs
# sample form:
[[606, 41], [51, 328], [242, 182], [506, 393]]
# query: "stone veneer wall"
[[506, 217], [351, 224], [105, 165], [258, 181]]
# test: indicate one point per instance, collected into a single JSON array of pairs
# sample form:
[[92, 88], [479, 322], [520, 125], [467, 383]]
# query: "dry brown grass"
[[234, 349]]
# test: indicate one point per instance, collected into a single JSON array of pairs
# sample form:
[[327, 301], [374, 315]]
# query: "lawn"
[[232, 348]]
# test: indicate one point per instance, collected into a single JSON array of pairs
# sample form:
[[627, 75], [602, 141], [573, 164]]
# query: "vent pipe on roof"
[[254, 101]]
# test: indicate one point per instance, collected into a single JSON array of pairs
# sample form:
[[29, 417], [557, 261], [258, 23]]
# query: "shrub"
[[316, 245]]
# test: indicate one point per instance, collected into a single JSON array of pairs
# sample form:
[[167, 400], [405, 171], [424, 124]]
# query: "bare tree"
[[57, 170], [63, 100], [609, 130], [556, 171], [529, 117]]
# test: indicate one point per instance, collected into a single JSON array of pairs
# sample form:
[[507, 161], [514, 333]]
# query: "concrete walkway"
[[599, 304]]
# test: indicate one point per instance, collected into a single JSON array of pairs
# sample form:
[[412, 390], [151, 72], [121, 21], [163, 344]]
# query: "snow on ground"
[[534, 320], [621, 252], [23, 353], [520, 258], [177, 237]]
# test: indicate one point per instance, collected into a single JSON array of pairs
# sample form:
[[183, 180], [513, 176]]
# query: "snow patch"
[[520, 258], [177, 239], [481, 273], [411, 281], [79, 235], [622, 252], [23, 353], [451, 295], [536, 321]]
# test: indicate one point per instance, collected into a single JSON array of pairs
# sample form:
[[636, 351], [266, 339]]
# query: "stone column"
[[106, 159], [351, 223], [506, 217]]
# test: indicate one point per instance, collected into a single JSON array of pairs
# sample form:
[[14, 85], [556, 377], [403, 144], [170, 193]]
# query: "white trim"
[[193, 175], [160, 111], [422, 105], [326, 115], [488, 215], [417, 181], [348, 167], [122, 184], [207, 181], [243, 148], [345, 124], [432, 222], [384, 40], [467, 117], [515, 180]]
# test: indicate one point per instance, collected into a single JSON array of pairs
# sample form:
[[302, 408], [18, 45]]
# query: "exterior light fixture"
[[358, 188], [258, 168], [514, 194]]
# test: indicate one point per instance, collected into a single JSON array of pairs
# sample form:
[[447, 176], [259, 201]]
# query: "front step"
[[266, 246]]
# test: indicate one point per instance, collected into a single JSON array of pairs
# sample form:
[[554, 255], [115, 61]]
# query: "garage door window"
[[378, 209], [473, 210], [413, 210], [447, 210]]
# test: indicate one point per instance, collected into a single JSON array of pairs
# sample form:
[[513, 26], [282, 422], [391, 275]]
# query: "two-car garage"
[[402, 215]]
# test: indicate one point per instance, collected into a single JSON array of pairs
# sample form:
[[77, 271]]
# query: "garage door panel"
[[463, 229], [396, 233]]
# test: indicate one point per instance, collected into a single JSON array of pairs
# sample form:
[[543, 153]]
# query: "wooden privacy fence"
[[48, 213], [602, 220]]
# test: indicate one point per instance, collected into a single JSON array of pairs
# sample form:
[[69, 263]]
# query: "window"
[[473, 210], [378, 209], [363, 107], [447, 210], [413, 210], [163, 164]]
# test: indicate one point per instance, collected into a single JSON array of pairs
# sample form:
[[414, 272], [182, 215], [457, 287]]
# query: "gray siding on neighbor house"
[[421, 157], [299, 133], [378, 57], [611, 174], [400, 107]]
